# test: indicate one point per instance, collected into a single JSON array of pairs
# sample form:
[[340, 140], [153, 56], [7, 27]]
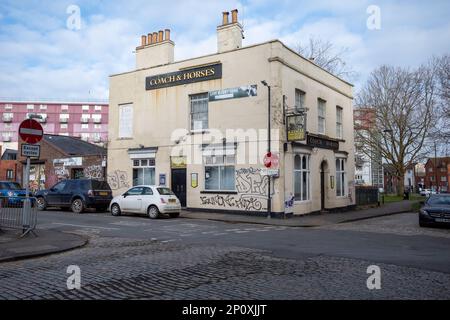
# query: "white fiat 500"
[[150, 200]]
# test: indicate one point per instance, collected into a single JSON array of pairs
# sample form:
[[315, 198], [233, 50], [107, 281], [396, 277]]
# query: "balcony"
[[7, 118], [97, 139], [63, 120], [6, 138], [84, 120], [97, 120], [42, 120]]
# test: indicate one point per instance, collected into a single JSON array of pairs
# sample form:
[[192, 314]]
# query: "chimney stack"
[[156, 49], [225, 18], [229, 35], [234, 16]]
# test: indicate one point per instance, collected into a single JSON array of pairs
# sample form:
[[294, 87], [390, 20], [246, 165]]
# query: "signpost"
[[31, 132]]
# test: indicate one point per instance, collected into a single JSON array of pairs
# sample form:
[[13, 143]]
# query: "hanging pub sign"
[[233, 93], [295, 127], [318, 142], [177, 78]]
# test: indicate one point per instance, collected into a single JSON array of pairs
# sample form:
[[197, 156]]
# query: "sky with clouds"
[[40, 57]]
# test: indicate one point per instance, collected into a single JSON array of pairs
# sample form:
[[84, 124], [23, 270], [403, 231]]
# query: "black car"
[[76, 194], [436, 211]]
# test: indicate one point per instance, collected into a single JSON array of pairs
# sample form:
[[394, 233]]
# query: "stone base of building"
[[278, 215]]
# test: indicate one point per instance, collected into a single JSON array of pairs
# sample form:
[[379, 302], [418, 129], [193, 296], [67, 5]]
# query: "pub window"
[[339, 125], [9, 174], [340, 177], [220, 172], [126, 120], [322, 116], [301, 177], [143, 171], [199, 111], [299, 100]]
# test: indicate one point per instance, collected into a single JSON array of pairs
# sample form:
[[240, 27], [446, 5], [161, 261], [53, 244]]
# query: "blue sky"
[[41, 58]]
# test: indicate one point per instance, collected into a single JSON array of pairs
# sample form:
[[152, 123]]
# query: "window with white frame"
[[30, 106], [301, 177], [299, 99], [97, 126], [220, 172], [85, 136], [143, 171], [340, 177], [443, 179], [85, 126], [321, 106], [43, 107], [339, 123], [199, 111], [85, 107], [126, 120], [9, 174], [98, 108], [63, 126], [8, 106], [64, 107]]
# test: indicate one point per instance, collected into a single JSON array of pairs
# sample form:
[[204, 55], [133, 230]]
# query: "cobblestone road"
[[113, 268]]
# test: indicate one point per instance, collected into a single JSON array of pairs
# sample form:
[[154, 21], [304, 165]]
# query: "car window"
[[165, 191], [100, 185], [60, 186], [10, 185], [147, 191], [135, 191], [438, 201]]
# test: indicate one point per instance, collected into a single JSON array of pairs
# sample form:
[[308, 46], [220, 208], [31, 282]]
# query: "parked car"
[[12, 193], [150, 200], [427, 192], [77, 194], [436, 211]]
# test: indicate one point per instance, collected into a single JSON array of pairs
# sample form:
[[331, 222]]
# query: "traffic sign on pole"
[[31, 131]]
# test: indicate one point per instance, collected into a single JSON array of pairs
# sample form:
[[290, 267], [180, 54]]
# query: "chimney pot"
[[167, 36], [160, 36], [149, 38], [225, 17], [234, 16], [143, 40], [155, 37]]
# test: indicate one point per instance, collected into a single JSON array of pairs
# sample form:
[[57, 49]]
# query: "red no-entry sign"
[[31, 131]]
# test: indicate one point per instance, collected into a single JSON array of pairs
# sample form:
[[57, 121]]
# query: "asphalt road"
[[379, 240], [131, 257]]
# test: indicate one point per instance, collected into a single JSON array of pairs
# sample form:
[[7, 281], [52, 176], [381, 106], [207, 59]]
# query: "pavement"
[[43, 242], [308, 220]]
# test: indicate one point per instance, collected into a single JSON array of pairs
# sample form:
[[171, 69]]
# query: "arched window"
[[301, 177]]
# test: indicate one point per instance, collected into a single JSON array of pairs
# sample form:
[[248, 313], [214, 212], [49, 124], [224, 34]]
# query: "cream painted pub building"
[[165, 117]]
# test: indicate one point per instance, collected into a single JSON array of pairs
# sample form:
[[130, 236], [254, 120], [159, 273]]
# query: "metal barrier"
[[366, 195], [18, 213]]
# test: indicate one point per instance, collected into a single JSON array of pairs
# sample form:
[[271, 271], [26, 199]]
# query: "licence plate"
[[172, 200], [442, 220], [103, 193]]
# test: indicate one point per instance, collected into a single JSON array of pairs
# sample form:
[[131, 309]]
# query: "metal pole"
[[26, 203], [435, 167], [269, 200]]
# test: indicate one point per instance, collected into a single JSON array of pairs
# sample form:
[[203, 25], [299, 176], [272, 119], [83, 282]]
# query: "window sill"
[[199, 131], [218, 192], [302, 201], [118, 139]]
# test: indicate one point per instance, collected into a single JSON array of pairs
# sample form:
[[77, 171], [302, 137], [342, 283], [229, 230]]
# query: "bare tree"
[[326, 55], [403, 101], [441, 67]]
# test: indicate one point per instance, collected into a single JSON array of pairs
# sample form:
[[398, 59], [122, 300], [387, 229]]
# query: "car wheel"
[[115, 210], [41, 203], [153, 212], [77, 206], [174, 214], [423, 224]]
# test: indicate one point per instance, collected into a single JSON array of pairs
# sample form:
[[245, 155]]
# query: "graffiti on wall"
[[93, 172], [61, 173], [252, 190], [118, 179], [243, 202]]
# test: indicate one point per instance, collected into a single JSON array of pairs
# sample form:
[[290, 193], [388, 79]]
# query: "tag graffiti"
[[118, 179], [93, 172], [245, 202]]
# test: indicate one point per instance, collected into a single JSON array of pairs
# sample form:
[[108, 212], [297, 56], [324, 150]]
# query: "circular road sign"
[[271, 160], [31, 131]]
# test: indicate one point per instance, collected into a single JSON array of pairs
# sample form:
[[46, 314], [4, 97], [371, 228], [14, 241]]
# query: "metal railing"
[[18, 213]]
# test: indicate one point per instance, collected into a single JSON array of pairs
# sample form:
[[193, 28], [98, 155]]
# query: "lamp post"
[[269, 200]]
